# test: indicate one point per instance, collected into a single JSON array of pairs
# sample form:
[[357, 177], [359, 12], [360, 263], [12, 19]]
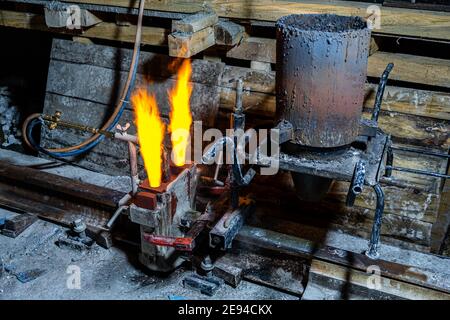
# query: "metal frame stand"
[[374, 241]]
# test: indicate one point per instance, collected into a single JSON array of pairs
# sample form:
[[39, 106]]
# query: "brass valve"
[[54, 120]]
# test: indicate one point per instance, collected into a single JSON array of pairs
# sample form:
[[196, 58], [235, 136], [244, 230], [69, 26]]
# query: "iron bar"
[[374, 241], [258, 238], [380, 92], [357, 183], [417, 171], [389, 162], [428, 153]]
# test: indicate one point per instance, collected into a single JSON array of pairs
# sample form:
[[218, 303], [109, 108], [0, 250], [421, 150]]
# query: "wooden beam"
[[409, 68], [186, 45], [195, 22], [260, 89], [395, 21], [349, 281], [58, 18], [432, 104], [255, 49], [262, 66], [257, 238], [408, 202], [414, 5], [332, 213], [110, 31], [373, 46], [228, 33], [83, 192], [56, 198]]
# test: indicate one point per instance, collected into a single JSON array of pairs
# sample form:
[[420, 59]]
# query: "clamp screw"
[[207, 266], [79, 227]]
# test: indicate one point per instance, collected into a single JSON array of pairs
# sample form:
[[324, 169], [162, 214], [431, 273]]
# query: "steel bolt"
[[79, 227], [207, 265]]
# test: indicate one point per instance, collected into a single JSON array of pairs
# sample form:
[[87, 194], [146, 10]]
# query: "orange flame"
[[180, 115], [150, 131]]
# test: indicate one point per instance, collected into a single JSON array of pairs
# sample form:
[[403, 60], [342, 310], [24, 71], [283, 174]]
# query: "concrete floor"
[[104, 274]]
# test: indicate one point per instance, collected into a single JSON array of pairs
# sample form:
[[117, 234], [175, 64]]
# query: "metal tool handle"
[[380, 92]]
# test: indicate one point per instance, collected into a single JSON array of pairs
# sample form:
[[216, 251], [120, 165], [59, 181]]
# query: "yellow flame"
[[150, 131], [180, 115]]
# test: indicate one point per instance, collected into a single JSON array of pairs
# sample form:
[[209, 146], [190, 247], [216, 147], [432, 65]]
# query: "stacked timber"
[[84, 81]]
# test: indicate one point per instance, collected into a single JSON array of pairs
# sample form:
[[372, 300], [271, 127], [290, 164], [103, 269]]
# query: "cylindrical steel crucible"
[[321, 72]]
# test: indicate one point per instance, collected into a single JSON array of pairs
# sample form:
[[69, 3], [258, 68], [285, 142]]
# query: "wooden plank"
[[434, 5], [408, 68], [408, 202], [61, 185], [424, 70], [256, 238], [153, 65], [349, 281], [402, 22], [262, 66], [359, 221], [110, 31], [186, 45], [335, 215], [254, 80], [332, 213], [55, 18], [256, 103], [407, 129], [255, 49], [404, 128], [431, 104], [424, 184], [373, 46], [58, 199], [195, 22], [228, 33]]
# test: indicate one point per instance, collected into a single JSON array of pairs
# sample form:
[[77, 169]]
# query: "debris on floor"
[[9, 120]]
